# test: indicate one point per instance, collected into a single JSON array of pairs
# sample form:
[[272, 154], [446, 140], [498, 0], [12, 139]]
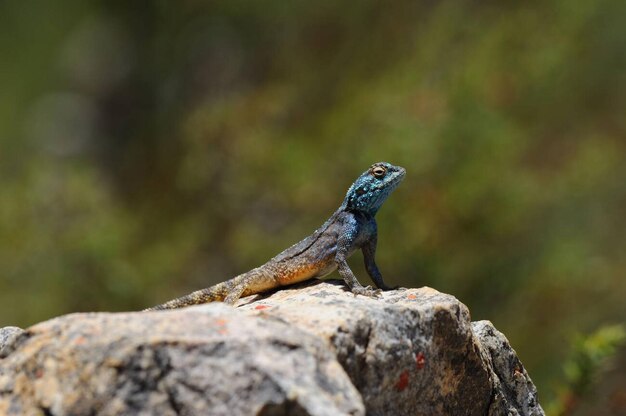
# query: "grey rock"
[[313, 349], [197, 361], [513, 391], [411, 351], [10, 337]]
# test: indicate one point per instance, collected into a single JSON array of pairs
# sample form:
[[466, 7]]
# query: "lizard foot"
[[367, 291]]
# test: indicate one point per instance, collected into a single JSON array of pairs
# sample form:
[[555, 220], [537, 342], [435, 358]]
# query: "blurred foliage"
[[590, 356], [149, 148]]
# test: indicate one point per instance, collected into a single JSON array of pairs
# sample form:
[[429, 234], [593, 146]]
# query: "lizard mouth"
[[398, 176]]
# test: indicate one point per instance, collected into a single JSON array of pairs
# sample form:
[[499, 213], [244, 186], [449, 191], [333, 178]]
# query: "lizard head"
[[372, 188]]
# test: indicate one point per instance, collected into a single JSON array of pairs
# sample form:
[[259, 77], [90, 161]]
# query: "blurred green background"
[[150, 148]]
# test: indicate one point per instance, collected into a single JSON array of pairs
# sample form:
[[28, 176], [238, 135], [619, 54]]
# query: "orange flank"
[[299, 272]]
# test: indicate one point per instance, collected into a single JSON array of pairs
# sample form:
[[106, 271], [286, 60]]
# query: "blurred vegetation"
[[149, 148], [589, 359]]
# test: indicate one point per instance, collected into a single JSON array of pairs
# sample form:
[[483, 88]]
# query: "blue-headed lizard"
[[351, 227]]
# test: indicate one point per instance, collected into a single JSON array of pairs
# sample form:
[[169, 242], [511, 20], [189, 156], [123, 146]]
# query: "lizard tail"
[[210, 294]]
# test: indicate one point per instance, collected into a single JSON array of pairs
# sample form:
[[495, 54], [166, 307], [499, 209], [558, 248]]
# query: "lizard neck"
[[358, 212]]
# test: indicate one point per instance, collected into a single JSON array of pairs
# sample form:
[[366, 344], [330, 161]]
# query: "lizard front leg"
[[369, 253], [344, 242]]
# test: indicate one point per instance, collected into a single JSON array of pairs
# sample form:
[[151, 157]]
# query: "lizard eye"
[[379, 171]]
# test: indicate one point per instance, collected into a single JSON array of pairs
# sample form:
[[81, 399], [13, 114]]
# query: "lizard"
[[352, 226]]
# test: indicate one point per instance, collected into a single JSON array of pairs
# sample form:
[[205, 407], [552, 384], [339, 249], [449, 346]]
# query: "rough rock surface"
[[9, 336], [314, 349], [513, 391]]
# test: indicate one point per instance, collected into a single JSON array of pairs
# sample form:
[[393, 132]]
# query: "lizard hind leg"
[[235, 292], [258, 280], [241, 285]]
